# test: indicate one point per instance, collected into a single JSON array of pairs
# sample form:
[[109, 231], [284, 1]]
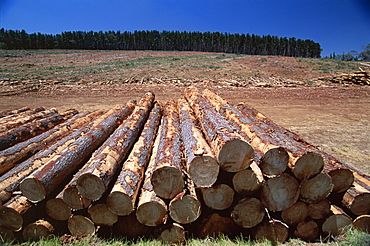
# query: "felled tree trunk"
[[319, 210], [219, 196], [337, 223], [129, 227], [295, 214], [248, 181], [215, 225], [357, 200], [362, 223], [101, 215], [201, 163], [81, 226], [13, 111], [40, 183], [106, 162], [273, 230], [40, 229], [124, 193], [307, 230], [316, 189], [57, 209], [11, 213], [6, 235], [248, 212], [172, 234], [14, 115]]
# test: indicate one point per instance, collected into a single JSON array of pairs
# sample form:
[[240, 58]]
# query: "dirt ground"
[[334, 117]]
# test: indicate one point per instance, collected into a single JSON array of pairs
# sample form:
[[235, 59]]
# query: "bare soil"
[[332, 116]]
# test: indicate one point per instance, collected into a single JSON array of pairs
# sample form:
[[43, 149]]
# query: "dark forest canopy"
[[250, 44]]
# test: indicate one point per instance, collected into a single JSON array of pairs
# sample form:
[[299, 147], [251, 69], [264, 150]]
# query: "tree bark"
[[233, 153], [14, 116], [248, 212], [307, 230], [273, 230], [362, 223], [101, 215], [218, 197], [248, 181], [124, 194], [357, 200], [40, 183], [11, 213], [201, 163], [40, 229], [316, 189], [295, 214], [81, 226], [167, 178], [104, 165], [16, 111]]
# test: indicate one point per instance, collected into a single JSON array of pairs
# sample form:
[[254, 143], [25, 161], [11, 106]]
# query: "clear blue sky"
[[338, 25]]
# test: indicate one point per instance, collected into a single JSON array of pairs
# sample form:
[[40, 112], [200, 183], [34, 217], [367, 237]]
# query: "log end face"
[[151, 213], [295, 214], [336, 224], [246, 182], [235, 155], [73, 198], [79, 225], [58, 209], [167, 182], [33, 189], [218, 197], [10, 219], [249, 212], [101, 215], [90, 186], [203, 170], [342, 179], [362, 223], [6, 236], [316, 189], [175, 234], [274, 162], [185, 210], [119, 203], [361, 204], [308, 165], [307, 230], [36, 231]]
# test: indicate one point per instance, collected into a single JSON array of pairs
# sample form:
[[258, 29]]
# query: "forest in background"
[[249, 44]]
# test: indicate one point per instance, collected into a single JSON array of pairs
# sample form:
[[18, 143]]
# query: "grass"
[[325, 65]]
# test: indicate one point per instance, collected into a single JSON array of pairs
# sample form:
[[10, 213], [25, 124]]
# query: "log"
[[295, 214], [319, 210], [338, 223], [104, 165], [307, 230], [248, 212], [11, 213], [248, 181], [273, 230], [14, 111], [81, 226], [41, 229], [362, 223], [129, 227], [167, 178], [40, 183], [124, 194], [201, 163], [280, 193], [233, 153], [12, 117], [6, 236], [342, 179], [10, 157], [316, 189], [172, 234], [101, 215], [274, 159], [214, 226], [357, 200], [151, 210], [218, 197], [57, 209]]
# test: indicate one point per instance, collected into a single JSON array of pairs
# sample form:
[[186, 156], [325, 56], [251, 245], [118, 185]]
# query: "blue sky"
[[338, 25]]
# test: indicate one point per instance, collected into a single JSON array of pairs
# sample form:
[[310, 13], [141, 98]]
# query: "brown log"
[[124, 193], [15, 154], [280, 193], [307, 230], [295, 214], [101, 215], [201, 163], [41, 229], [218, 197], [248, 181], [11, 213], [57, 209], [6, 236], [316, 189], [172, 234], [12, 117], [357, 199], [273, 230], [167, 178], [13, 111], [274, 160], [248, 212], [319, 210], [342, 179], [129, 227], [100, 170], [40, 183], [81, 226], [151, 210], [233, 153], [338, 223], [215, 225], [362, 223]]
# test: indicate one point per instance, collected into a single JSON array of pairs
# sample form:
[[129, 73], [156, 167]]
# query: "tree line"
[[250, 44], [353, 55]]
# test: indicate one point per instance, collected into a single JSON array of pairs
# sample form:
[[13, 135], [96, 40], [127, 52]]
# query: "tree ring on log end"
[[342, 179], [90, 186], [274, 162], [246, 182], [361, 204], [10, 219], [316, 189], [185, 209], [235, 155], [336, 224], [58, 209], [218, 197], [308, 165], [167, 182], [73, 198], [151, 213], [203, 170], [119, 203], [249, 212], [101, 215], [362, 223], [79, 225], [33, 189]]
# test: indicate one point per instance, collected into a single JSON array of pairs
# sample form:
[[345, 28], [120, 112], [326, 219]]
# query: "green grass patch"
[[324, 65]]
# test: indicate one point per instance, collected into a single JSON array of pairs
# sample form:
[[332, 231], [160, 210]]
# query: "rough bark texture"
[[201, 163], [106, 162], [316, 189], [101, 215], [233, 153], [248, 181], [11, 213], [13, 111], [280, 193], [172, 234], [218, 197], [362, 223], [124, 194], [248, 212], [40, 183], [40, 229], [11, 116], [295, 214], [167, 178], [307, 230], [81, 226], [274, 231]]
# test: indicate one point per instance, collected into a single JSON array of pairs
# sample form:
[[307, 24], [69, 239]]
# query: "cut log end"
[[308, 165], [218, 197], [6, 236], [57, 209], [249, 212], [119, 203], [90, 186], [79, 225], [185, 209], [41, 229], [274, 162], [274, 231], [342, 179], [33, 189], [361, 204], [246, 182], [73, 198], [307, 230], [10, 219], [175, 234], [362, 223], [203, 170], [316, 189], [151, 214], [167, 182], [235, 155], [337, 224], [319, 210], [101, 215], [295, 213]]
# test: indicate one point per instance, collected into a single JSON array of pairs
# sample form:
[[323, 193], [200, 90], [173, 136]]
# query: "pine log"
[[201, 163], [167, 178], [316, 189], [12, 117], [81, 226], [41, 229], [151, 210], [104, 165], [357, 199], [13, 155], [307, 230], [273, 230], [11, 213], [295, 214], [319, 210], [215, 225], [362, 223], [219, 196], [280, 193], [10, 181], [129, 227], [6, 236], [233, 153], [124, 194], [57, 209], [248, 181], [274, 160], [248, 212], [172, 234], [40, 183], [342, 179], [13, 111], [338, 223], [101, 215]]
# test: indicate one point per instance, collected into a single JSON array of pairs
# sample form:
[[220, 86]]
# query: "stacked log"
[[357, 78]]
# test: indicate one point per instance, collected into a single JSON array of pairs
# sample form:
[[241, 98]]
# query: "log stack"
[[355, 78], [199, 166]]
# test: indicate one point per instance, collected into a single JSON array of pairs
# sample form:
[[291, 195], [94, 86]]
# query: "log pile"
[[358, 78], [199, 167]]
